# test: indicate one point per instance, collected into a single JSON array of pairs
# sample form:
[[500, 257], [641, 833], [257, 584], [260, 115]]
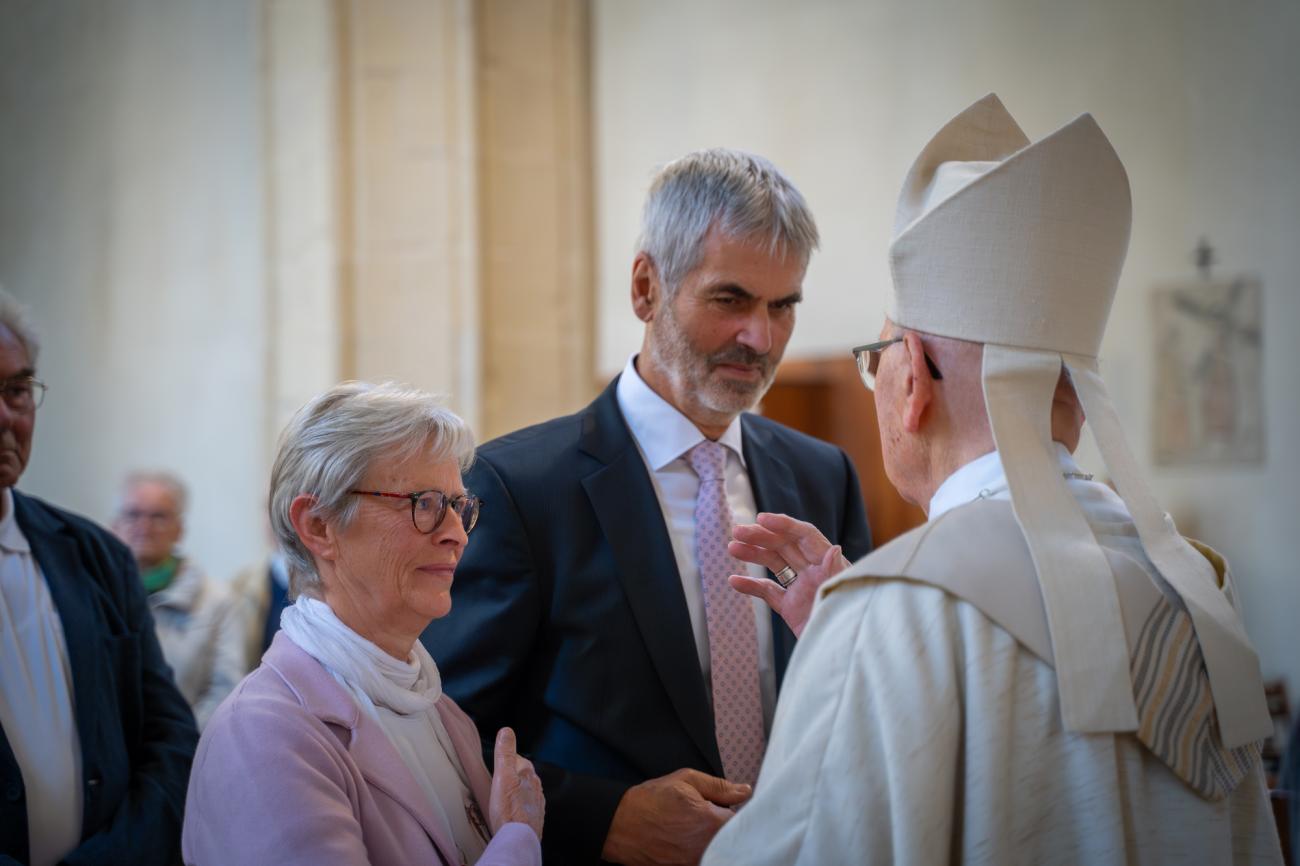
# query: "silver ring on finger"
[[786, 576]]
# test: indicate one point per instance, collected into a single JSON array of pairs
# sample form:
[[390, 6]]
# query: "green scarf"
[[160, 575]]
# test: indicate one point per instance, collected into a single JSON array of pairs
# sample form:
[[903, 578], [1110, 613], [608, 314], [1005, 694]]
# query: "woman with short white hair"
[[341, 748]]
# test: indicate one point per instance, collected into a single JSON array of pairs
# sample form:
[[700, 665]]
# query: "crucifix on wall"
[[1208, 390]]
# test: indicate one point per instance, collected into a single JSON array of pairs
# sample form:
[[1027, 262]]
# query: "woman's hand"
[[516, 790]]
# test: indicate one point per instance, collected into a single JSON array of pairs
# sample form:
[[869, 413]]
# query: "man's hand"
[[516, 791], [672, 819], [774, 542]]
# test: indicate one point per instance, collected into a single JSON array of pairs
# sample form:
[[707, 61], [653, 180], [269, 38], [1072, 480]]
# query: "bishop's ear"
[[920, 384]]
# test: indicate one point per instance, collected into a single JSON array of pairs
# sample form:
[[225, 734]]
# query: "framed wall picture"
[[1208, 398]]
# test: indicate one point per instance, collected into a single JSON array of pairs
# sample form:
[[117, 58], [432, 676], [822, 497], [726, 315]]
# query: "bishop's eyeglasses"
[[868, 358]]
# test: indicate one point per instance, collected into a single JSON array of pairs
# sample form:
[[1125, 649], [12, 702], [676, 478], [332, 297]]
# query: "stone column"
[[535, 170], [412, 303], [370, 197], [305, 212], [429, 202]]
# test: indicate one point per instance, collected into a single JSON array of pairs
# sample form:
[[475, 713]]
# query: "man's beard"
[[691, 371]]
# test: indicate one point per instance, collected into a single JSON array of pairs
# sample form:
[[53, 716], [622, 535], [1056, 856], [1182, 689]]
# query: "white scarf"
[[374, 678]]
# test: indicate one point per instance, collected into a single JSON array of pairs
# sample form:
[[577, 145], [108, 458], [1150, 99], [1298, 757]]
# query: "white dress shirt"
[[664, 435], [36, 709]]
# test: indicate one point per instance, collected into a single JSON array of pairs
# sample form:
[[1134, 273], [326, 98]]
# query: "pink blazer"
[[290, 771]]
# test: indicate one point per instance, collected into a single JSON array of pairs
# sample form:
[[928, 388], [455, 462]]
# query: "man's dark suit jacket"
[[137, 733], [568, 619]]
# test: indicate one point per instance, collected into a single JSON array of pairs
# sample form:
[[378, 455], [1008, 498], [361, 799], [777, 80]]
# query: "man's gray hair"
[[162, 478], [13, 315], [330, 445], [744, 195]]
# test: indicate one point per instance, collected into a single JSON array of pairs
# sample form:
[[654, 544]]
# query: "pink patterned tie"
[[733, 636]]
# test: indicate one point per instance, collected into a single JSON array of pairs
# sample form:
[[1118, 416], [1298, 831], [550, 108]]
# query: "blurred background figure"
[[260, 593], [201, 635]]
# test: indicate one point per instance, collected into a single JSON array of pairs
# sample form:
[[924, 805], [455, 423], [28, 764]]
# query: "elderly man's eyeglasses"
[[429, 507], [140, 515], [868, 358], [22, 393]]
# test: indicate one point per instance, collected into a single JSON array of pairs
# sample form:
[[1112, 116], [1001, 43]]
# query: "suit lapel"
[[775, 491], [627, 508]]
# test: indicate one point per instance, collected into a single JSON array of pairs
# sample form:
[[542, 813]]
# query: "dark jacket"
[[137, 733], [568, 619]]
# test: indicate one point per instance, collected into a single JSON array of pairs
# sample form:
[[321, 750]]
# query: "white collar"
[[12, 539], [983, 476], [661, 430]]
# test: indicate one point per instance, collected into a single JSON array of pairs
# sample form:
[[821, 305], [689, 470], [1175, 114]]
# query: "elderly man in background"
[[341, 748], [594, 613], [95, 740], [202, 637], [1045, 672]]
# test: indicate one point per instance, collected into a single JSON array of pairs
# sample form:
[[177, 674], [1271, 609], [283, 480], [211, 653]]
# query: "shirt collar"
[[659, 427], [12, 539], [983, 476]]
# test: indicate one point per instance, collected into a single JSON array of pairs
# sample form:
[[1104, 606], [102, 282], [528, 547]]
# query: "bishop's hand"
[[777, 541]]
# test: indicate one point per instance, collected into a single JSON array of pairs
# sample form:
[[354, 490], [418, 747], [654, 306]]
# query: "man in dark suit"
[[95, 740], [591, 612]]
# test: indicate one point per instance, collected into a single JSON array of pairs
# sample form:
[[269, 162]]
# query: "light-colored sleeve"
[[269, 786], [225, 616], [514, 844], [862, 763], [251, 589]]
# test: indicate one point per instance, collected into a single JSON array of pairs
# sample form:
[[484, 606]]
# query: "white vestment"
[[914, 729]]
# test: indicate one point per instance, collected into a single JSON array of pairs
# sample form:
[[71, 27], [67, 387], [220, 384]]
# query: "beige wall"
[[1199, 99], [131, 223]]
